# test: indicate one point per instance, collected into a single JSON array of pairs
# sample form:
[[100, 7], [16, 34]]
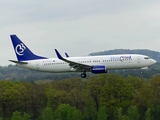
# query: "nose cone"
[[153, 61]]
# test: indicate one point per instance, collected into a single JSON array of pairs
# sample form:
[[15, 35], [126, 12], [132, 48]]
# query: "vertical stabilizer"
[[22, 51]]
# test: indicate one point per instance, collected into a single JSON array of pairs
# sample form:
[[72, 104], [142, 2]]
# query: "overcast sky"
[[78, 27]]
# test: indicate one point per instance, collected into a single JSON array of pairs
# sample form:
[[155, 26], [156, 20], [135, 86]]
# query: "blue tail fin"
[[21, 50]]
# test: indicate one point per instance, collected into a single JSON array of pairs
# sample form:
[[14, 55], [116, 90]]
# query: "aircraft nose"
[[153, 61]]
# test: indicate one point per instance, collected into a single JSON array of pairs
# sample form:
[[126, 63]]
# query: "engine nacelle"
[[99, 69]]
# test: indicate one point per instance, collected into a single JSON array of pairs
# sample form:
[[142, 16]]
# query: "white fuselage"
[[111, 62]]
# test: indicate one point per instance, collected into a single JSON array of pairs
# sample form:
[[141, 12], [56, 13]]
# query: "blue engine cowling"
[[99, 69]]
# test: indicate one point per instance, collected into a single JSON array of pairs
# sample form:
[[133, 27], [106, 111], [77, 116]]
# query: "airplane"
[[93, 64]]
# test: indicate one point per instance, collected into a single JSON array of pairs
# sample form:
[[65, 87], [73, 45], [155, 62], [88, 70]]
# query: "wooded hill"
[[153, 54]]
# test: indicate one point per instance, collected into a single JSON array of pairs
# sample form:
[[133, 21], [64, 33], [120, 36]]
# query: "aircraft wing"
[[75, 65]]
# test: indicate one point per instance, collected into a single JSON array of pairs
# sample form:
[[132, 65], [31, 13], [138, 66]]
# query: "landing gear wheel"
[[83, 75]]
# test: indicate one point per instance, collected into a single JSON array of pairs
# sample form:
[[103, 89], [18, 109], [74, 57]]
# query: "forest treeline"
[[103, 97]]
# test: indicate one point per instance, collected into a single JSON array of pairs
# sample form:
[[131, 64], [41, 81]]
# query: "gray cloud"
[[79, 27]]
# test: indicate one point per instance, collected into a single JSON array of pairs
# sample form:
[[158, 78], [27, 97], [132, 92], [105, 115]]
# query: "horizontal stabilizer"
[[18, 62]]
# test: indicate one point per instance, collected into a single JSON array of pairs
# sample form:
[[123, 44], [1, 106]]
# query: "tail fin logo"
[[20, 48]]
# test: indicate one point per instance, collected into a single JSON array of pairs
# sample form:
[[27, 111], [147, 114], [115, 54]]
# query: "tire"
[[83, 75]]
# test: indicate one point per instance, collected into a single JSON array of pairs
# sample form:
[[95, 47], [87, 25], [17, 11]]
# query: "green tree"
[[117, 92], [133, 113], [155, 112], [143, 98], [89, 110], [26, 116], [112, 113], [16, 116], [75, 96], [95, 85], [74, 114], [119, 114], [12, 97], [125, 117], [102, 115], [155, 89], [47, 114], [61, 112], [135, 81], [37, 100], [55, 97], [148, 114]]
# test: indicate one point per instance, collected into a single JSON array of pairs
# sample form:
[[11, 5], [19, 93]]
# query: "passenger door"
[[138, 59]]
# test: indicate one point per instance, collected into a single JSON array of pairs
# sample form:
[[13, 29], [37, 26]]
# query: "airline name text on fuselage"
[[121, 58]]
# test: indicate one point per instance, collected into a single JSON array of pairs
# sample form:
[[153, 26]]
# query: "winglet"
[[58, 55], [66, 54]]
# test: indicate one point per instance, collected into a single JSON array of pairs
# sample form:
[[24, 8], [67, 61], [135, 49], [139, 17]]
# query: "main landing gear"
[[83, 75]]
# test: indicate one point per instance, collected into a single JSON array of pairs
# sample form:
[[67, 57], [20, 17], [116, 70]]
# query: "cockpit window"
[[146, 58]]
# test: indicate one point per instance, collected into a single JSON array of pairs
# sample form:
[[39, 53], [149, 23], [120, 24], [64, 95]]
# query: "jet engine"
[[99, 69]]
